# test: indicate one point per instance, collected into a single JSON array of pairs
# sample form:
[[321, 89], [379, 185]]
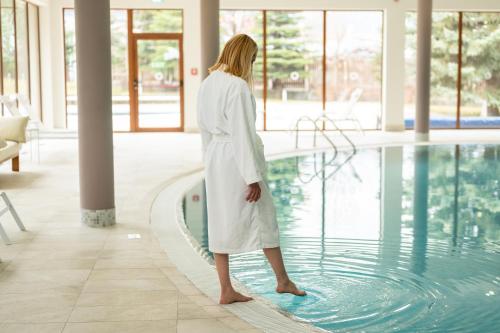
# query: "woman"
[[241, 214]]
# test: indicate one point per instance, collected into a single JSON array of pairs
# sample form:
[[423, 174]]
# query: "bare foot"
[[289, 287], [232, 296]]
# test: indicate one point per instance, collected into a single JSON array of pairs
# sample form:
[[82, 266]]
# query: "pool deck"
[[61, 276]]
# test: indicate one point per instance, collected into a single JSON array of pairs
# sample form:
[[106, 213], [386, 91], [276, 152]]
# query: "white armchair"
[[18, 105]]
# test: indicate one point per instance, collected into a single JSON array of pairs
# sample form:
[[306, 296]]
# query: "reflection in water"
[[420, 209], [398, 239]]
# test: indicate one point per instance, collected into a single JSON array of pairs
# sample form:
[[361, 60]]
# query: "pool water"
[[396, 239]]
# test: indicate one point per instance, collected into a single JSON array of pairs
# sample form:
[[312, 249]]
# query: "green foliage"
[[480, 58], [286, 48]]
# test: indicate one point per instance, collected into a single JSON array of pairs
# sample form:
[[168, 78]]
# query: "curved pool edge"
[[168, 226]]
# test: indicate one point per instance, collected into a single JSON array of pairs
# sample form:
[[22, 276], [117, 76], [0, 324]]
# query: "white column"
[[393, 69]]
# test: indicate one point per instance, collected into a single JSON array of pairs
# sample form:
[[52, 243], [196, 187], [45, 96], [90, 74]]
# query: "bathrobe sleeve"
[[242, 124]]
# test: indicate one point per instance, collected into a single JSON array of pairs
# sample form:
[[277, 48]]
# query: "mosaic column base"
[[98, 218]]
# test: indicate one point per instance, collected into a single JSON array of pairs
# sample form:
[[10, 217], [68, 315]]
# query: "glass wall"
[[294, 66], [354, 67], [147, 20], [8, 48], [476, 66], [444, 69], [70, 69], [480, 99], [249, 22], [119, 70], [34, 61], [20, 56], [23, 86], [158, 89], [120, 75], [310, 68]]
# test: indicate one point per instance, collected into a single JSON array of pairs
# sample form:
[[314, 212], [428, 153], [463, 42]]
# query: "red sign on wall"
[[194, 71]]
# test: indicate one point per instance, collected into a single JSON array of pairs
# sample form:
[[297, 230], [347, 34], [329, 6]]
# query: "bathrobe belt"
[[221, 138]]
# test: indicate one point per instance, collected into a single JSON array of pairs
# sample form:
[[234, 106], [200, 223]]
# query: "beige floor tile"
[[127, 253], [202, 326], [156, 326], [36, 308], [36, 264], [69, 246], [188, 289], [96, 286], [236, 323], [130, 312], [29, 281], [217, 311], [57, 275], [126, 274], [32, 328], [128, 297], [191, 311], [174, 275], [58, 254], [135, 262], [201, 300]]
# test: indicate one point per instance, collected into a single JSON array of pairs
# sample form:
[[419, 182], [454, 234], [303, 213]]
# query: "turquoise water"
[[400, 239]]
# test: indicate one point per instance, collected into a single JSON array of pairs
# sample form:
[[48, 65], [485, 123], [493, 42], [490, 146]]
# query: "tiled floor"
[[61, 276]]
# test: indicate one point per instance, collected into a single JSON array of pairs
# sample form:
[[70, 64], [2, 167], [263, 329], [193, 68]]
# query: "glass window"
[[444, 69], [119, 70], [34, 60], [153, 20], [354, 68], [22, 48], [70, 59], [480, 98], [8, 47], [294, 67], [234, 22]]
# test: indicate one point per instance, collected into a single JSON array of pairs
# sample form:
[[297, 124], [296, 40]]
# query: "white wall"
[[393, 72]]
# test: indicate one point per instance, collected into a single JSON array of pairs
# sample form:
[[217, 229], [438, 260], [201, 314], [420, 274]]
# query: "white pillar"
[[393, 69]]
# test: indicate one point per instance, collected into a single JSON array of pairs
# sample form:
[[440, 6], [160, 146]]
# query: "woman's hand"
[[253, 192]]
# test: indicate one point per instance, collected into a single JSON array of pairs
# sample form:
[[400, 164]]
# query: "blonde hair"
[[237, 57]]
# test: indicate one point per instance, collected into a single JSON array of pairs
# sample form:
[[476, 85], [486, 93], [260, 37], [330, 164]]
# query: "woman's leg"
[[285, 285], [227, 293]]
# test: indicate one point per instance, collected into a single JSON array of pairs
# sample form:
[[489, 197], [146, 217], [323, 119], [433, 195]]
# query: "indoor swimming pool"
[[393, 239]]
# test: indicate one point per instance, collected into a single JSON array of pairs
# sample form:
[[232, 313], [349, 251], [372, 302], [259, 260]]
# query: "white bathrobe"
[[233, 155]]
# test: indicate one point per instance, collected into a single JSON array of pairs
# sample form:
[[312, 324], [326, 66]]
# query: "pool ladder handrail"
[[330, 163], [323, 118]]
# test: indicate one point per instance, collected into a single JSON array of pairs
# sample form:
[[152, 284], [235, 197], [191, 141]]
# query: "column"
[[209, 10], [424, 34], [95, 130], [393, 69]]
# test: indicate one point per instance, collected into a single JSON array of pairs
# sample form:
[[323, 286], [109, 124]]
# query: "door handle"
[[136, 84]]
